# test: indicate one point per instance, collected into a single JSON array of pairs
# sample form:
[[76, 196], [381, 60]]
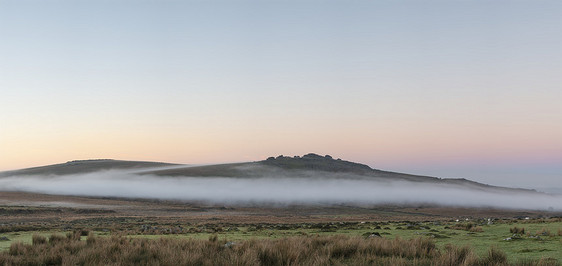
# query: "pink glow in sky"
[[469, 89]]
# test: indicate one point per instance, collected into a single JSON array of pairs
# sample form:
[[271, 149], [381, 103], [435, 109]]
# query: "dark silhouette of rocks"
[[316, 162]]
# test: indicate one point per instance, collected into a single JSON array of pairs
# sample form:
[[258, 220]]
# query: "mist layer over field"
[[325, 189]]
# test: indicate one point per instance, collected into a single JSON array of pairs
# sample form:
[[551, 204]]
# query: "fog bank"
[[275, 190]]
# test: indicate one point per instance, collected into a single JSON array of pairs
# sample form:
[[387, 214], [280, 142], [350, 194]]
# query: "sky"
[[468, 89]]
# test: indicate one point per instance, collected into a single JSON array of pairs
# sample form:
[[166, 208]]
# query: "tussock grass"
[[494, 257], [476, 229], [37, 239], [454, 255], [517, 230], [471, 227], [544, 232], [303, 250]]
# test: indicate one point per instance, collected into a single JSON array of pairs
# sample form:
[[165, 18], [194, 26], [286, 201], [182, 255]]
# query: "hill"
[[308, 166], [83, 166], [314, 165], [309, 162]]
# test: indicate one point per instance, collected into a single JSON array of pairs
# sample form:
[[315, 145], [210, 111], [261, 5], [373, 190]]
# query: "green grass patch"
[[24, 237], [534, 244], [540, 240]]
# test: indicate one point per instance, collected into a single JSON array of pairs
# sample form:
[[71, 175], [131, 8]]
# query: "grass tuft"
[[37, 239], [494, 257], [517, 230]]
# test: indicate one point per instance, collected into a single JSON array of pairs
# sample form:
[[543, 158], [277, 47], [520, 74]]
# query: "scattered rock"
[[4, 238], [513, 237], [372, 234], [229, 244]]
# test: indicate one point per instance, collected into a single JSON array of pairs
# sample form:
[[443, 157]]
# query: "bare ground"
[[26, 207]]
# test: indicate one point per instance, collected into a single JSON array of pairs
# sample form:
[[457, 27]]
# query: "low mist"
[[276, 190]]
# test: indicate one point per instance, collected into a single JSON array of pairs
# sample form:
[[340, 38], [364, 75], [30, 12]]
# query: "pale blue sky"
[[450, 88]]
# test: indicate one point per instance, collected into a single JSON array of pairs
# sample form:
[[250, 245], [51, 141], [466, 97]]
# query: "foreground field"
[[242, 235], [519, 240], [317, 250]]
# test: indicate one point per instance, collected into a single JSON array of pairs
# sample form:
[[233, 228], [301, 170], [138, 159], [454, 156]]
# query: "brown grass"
[[467, 227], [517, 230], [304, 250], [544, 232], [494, 257], [454, 255], [476, 229], [38, 239]]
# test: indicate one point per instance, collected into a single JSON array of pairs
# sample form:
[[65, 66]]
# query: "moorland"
[[59, 229]]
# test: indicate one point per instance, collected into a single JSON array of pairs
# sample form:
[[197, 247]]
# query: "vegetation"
[[406, 242], [517, 230], [144, 231], [303, 250]]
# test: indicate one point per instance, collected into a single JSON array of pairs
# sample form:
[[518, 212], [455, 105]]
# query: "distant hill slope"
[[307, 166], [281, 165], [313, 165], [83, 166], [289, 166]]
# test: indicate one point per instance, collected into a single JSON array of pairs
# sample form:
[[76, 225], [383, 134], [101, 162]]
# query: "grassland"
[[541, 239], [181, 226], [42, 229], [303, 250]]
